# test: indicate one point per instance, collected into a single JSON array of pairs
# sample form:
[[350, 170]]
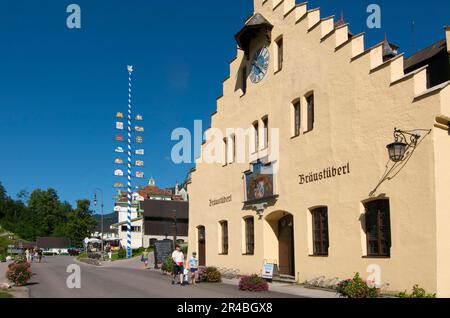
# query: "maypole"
[[126, 214], [129, 251]]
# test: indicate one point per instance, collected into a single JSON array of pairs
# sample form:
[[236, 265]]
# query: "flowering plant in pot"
[[213, 275], [356, 288], [253, 283], [201, 274], [19, 273]]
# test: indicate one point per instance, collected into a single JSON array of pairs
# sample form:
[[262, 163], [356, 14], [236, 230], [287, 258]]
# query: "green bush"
[[121, 254], [20, 258], [213, 275], [169, 265], [138, 251], [356, 288], [417, 292]]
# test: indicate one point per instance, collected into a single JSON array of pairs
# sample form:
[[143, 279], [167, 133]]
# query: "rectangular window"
[[320, 231], [280, 54], [297, 118], [224, 229], [266, 131], [249, 236], [310, 107], [256, 136], [378, 228], [244, 79], [233, 148], [133, 228]]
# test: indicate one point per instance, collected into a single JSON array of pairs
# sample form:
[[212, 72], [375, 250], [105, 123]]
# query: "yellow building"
[[319, 196]]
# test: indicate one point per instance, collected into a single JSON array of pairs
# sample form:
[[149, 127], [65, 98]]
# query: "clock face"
[[260, 65]]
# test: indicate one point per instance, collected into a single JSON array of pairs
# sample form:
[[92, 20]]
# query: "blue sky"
[[60, 88]]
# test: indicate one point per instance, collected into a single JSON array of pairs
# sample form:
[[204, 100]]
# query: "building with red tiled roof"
[[150, 192]]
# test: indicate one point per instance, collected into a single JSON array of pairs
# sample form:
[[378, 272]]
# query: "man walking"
[[39, 255], [178, 259]]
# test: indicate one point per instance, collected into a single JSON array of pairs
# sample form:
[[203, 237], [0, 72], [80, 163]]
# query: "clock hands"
[[259, 65], [261, 69]]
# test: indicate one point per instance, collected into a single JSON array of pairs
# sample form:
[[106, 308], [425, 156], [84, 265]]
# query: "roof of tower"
[[252, 27]]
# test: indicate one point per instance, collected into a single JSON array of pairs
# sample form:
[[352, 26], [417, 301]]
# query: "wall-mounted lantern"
[[404, 140]]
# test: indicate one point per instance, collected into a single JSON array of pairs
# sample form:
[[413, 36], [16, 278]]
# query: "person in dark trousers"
[[39, 255], [178, 267]]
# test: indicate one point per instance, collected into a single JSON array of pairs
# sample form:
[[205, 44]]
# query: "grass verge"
[[4, 294]]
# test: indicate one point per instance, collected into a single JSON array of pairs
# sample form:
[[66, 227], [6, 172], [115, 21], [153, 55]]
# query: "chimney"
[[447, 36]]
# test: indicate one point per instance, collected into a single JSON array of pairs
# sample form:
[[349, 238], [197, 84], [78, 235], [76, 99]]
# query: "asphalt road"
[[126, 280]]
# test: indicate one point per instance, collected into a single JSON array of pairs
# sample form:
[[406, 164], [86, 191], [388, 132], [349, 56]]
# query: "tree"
[[2, 201], [23, 195], [14, 216], [47, 211], [80, 224], [45, 215], [2, 192]]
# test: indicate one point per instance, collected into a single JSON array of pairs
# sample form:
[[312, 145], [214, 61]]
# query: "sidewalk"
[[132, 263], [284, 288], [291, 289]]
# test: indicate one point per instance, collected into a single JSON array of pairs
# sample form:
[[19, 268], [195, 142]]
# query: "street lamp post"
[[174, 216], [102, 205]]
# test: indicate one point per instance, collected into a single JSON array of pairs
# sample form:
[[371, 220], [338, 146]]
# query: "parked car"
[[74, 251]]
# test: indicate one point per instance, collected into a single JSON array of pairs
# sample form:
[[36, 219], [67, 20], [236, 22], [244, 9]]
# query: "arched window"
[[201, 244]]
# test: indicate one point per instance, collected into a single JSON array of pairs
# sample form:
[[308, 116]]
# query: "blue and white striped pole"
[[129, 251]]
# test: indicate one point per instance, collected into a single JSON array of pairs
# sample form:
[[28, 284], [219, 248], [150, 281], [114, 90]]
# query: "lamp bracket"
[[408, 137]]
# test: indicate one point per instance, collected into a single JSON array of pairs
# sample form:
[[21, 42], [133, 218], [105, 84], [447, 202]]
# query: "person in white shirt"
[[27, 255], [178, 267]]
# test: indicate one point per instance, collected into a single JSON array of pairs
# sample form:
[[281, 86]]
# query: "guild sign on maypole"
[[119, 161]]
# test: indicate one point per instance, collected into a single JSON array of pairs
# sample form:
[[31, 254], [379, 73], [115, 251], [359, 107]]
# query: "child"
[[193, 266], [145, 258]]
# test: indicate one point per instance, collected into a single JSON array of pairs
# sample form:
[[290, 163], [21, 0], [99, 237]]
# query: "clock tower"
[[254, 39]]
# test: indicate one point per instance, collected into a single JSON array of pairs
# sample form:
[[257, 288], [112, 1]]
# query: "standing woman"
[[27, 255]]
